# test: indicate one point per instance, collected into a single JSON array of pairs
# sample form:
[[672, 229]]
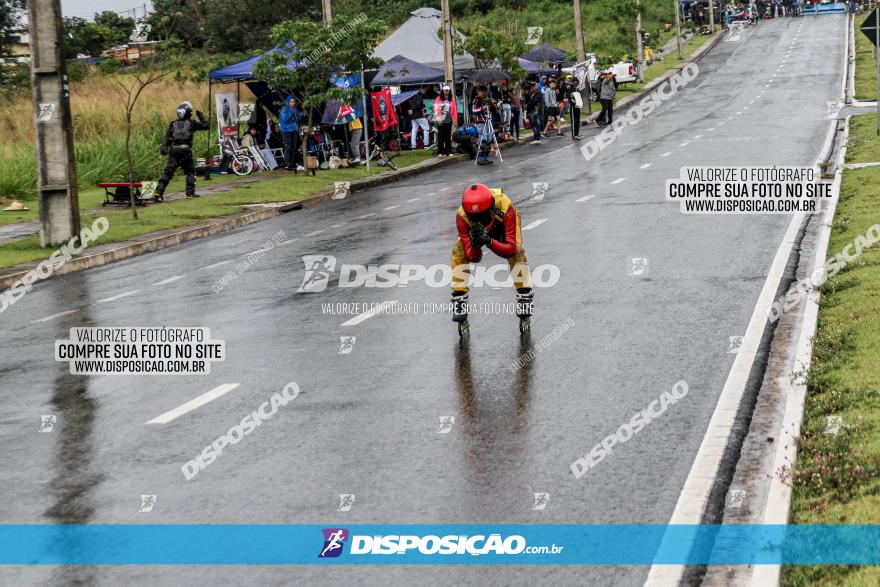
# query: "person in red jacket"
[[488, 218]]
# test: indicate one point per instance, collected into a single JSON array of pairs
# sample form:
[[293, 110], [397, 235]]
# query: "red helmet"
[[477, 199]]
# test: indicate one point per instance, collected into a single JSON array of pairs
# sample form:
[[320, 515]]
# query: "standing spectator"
[[515, 110], [445, 115], [551, 109], [419, 120], [534, 110], [356, 128], [577, 102], [291, 119], [506, 111], [607, 92]]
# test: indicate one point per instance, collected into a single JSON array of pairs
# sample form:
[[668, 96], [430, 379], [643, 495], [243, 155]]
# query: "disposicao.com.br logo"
[[320, 269], [334, 540]]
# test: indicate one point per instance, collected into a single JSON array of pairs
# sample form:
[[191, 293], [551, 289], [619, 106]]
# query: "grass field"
[[836, 475], [866, 67]]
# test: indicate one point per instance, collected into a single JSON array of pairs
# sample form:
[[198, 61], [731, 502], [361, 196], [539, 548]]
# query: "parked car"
[[624, 71]]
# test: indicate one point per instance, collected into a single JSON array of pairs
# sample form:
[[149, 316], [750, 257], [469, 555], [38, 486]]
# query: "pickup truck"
[[624, 71]]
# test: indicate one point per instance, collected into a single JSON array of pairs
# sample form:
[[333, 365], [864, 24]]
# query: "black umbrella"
[[546, 53]]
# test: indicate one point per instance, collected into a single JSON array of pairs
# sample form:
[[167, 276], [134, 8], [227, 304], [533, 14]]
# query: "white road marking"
[[713, 128], [666, 154], [532, 225], [684, 144], [194, 403], [119, 296], [618, 180], [446, 189], [393, 207], [335, 225], [585, 198], [366, 215], [169, 280], [645, 165], [698, 137], [53, 316], [314, 233], [411, 200], [215, 265], [369, 313], [287, 242]]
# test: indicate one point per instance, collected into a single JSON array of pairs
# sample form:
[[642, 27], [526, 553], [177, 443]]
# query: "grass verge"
[[835, 478], [287, 187], [866, 67]]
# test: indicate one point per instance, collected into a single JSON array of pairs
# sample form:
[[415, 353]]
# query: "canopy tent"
[[486, 75], [546, 53], [534, 68], [401, 71], [243, 70], [419, 39]]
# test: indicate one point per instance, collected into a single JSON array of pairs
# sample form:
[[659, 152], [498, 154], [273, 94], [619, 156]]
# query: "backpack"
[[180, 132]]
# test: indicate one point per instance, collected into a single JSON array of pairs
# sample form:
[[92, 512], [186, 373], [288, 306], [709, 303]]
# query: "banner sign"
[[227, 114], [383, 110]]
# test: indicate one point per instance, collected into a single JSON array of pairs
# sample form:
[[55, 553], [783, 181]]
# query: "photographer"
[[178, 144]]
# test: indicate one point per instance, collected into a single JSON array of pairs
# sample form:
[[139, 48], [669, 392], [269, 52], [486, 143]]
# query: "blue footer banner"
[[480, 544]]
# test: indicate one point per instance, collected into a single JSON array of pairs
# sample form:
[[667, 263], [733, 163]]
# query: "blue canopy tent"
[[400, 71]]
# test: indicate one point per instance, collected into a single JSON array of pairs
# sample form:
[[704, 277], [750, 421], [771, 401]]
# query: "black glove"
[[201, 115], [163, 149], [479, 235]]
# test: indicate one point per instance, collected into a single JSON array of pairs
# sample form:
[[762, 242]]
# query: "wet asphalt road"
[[367, 422]]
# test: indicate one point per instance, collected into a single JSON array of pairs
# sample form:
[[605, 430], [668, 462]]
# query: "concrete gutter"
[[148, 243]]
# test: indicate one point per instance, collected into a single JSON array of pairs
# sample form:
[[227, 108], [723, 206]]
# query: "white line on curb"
[[194, 403], [537, 222], [119, 296], [369, 313], [53, 316]]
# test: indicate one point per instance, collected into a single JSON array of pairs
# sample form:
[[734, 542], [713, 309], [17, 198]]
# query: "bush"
[[109, 65]]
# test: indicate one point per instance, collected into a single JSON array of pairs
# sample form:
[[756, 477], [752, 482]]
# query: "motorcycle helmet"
[[479, 204], [184, 111]]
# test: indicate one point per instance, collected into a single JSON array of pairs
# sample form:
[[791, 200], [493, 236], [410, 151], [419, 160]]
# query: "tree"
[[492, 48], [307, 54], [130, 91], [180, 22], [232, 25], [10, 18]]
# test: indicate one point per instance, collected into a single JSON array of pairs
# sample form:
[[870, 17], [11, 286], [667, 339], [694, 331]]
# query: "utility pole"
[[678, 28], [579, 32], [328, 13], [56, 166], [711, 17], [448, 63], [641, 49]]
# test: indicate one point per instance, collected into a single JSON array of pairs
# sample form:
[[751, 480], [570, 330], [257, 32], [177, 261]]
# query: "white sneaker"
[[300, 168]]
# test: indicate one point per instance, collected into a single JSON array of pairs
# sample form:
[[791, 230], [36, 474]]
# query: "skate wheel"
[[525, 325], [464, 328]]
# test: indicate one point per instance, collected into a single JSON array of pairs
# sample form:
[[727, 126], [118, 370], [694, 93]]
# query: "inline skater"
[[488, 218]]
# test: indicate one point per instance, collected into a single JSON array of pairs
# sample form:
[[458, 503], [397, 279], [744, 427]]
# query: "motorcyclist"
[[178, 144], [488, 218]]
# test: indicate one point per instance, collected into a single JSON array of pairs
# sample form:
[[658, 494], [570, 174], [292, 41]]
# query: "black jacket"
[[186, 136]]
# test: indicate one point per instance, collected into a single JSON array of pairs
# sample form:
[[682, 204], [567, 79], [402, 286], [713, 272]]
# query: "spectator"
[[515, 110], [445, 114], [607, 92], [356, 128], [506, 111], [290, 118], [551, 109], [482, 108], [534, 110], [577, 103], [419, 120], [250, 139]]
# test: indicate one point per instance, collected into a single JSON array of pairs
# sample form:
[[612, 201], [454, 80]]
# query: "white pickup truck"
[[624, 71]]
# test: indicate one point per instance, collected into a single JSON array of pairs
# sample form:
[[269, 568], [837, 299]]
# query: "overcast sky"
[[88, 8]]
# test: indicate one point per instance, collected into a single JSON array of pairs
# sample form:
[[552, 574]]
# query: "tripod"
[[488, 129]]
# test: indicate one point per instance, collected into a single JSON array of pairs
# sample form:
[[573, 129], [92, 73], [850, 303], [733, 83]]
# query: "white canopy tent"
[[419, 39]]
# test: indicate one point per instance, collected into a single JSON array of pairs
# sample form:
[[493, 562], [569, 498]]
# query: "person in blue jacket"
[[290, 119]]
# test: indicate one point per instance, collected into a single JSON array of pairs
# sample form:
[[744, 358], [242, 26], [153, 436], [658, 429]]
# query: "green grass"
[[866, 68], [287, 187], [836, 476]]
